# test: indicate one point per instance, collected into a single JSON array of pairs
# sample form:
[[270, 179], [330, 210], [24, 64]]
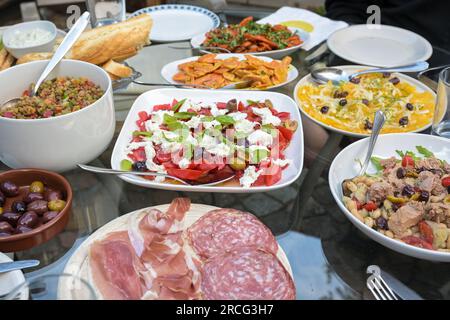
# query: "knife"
[[17, 265], [399, 288]]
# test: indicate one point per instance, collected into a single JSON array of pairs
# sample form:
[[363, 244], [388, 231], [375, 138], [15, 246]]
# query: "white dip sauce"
[[29, 38]]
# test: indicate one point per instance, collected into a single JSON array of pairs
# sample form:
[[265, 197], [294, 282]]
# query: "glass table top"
[[328, 255]]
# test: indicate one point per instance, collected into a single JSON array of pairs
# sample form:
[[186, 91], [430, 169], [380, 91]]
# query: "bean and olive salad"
[[55, 97], [39, 205]]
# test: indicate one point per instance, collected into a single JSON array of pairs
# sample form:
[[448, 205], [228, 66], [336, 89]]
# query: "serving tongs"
[[151, 174]]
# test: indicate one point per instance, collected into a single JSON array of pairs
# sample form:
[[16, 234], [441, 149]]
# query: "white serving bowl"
[[56, 143], [18, 52], [345, 166]]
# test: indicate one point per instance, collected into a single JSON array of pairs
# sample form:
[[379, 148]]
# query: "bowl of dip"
[[27, 37]]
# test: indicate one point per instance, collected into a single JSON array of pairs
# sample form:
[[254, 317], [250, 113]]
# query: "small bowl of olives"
[[35, 206]]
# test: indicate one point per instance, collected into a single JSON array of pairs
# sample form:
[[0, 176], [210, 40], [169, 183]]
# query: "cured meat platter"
[[195, 224]]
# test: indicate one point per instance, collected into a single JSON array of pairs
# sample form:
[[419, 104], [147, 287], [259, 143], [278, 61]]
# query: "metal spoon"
[[148, 173], [378, 123], [335, 75], [67, 43]]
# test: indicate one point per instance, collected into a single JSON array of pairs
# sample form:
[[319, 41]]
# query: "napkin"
[[318, 27]]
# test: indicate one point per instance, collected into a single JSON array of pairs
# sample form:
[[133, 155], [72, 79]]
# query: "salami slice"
[[222, 230], [246, 273]]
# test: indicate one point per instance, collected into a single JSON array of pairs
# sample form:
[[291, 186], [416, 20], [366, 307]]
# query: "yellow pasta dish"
[[350, 106]]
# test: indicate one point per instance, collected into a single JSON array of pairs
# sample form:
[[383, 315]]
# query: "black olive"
[[368, 125], [49, 215], [408, 190], [10, 217], [386, 74], [51, 195], [9, 188], [29, 219], [4, 234], [6, 227], [394, 80], [23, 229], [382, 223], [38, 206], [139, 166], [403, 121], [19, 206], [232, 105], [2, 199], [342, 102], [409, 106], [424, 196], [365, 101], [395, 206], [324, 109], [355, 80], [401, 173]]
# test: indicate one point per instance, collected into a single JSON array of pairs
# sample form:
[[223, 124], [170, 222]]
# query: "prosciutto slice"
[[116, 269], [223, 230]]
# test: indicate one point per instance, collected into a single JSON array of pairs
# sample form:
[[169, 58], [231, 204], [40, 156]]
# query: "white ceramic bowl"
[[18, 52], [57, 143], [147, 100], [345, 166]]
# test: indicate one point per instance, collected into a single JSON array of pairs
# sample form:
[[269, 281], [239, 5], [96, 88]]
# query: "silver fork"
[[377, 285]]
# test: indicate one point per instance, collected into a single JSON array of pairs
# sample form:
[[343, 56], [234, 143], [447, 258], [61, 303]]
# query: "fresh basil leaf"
[[178, 105], [427, 153], [256, 156], [184, 115], [400, 153], [251, 102], [169, 119], [207, 119], [376, 163], [225, 120], [142, 133]]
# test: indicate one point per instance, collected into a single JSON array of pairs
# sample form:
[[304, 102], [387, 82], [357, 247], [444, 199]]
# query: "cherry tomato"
[[274, 176], [426, 231], [446, 182], [417, 242], [143, 116], [370, 206], [407, 161], [186, 174]]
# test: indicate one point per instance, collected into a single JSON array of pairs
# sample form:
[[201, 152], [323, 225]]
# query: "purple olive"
[[33, 196], [401, 173], [23, 229], [382, 223], [408, 190], [365, 101], [49, 215], [355, 80], [424, 196], [4, 234], [409, 106], [324, 109], [51, 194], [10, 217], [394, 81], [403, 121], [29, 219], [9, 188], [38, 206], [19, 206], [6, 227]]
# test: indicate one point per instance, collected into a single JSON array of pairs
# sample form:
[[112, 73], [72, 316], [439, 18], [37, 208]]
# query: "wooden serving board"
[[78, 264]]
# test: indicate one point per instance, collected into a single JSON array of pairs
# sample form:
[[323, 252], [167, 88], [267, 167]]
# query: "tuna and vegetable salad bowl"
[[403, 200]]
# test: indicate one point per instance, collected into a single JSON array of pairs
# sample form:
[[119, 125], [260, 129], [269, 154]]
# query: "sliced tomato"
[[221, 105], [241, 106], [370, 206], [162, 107], [407, 161], [169, 165], [287, 133], [186, 174], [446, 182], [163, 156], [174, 102], [138, 155], [274, 175], [426, 231], [282, 143], [417, 242], [282, 115]]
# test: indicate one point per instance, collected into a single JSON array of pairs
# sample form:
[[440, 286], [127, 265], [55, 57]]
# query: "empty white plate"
[[176, 22], [379, 45]]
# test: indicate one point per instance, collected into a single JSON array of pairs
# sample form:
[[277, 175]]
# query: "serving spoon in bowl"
[[152, 174], [336, 75], [378, 123], [67, 43]]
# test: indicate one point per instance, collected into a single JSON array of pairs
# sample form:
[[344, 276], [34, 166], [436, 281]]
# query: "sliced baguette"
[[117, 69], [34, 56], [8, 62]]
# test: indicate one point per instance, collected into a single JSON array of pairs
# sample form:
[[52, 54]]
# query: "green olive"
[[37, 186], [238, 164], [56, 205]]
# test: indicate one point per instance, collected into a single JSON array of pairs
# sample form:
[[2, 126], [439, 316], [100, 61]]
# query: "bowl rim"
[[71, 114], [61, 214], [406, 249], [8, 33]]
